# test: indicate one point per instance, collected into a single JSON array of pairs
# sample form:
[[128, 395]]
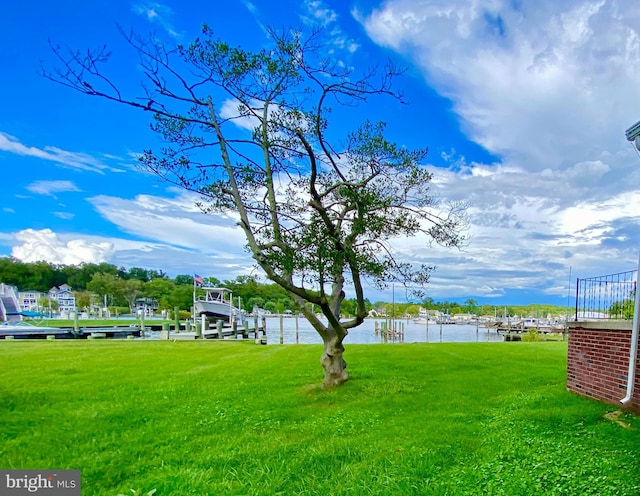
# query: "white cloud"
[[318, 13], [46, 245], [157, 13], [49, 188], [533, 82], [230, 109], [546, 86], [74, 160], [64, 215], [173, 221], [176, 245]]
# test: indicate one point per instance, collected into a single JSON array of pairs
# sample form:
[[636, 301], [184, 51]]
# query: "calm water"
[[366, 333]]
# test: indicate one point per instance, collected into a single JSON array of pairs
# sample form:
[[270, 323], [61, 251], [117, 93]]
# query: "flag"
[[197, 280]]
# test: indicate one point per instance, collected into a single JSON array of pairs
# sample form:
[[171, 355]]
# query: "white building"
[[66, 301], [28, 300]]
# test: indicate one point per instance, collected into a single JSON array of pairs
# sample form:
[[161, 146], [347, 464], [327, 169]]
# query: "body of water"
[[298, 330]]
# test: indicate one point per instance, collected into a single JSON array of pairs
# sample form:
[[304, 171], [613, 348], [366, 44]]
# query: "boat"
[[216, 303], [423, 320], [22, 330]]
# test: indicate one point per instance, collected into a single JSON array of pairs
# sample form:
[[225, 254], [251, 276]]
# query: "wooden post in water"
[[234, 328], [198, 329], [263, 340], [245, 328], [297, 337], [281, 330], [165, 330], [219, 325], [142, 324], [203, 325], [76, 324], [255, 328], [176, 317]]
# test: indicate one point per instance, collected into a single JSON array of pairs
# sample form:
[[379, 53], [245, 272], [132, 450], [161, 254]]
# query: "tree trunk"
[[334, 365]]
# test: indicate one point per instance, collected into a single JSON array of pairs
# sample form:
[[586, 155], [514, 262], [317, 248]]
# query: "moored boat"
[[424, 320], [22, 330], [216, 303]]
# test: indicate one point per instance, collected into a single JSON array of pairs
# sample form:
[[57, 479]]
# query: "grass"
[[206, 418]]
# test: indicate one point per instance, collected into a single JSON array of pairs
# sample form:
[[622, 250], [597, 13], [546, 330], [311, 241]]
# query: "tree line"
[[95, 284], [92, 283]]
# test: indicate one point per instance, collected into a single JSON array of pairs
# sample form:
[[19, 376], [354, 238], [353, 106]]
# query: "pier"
[[188, 330]]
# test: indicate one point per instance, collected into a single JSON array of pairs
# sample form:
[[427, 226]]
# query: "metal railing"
[[606, 297]]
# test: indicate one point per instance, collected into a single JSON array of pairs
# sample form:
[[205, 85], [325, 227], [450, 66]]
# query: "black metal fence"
[[606, 297]]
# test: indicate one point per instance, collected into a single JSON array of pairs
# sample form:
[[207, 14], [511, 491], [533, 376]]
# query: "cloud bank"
[[548, 88], [46, 245]]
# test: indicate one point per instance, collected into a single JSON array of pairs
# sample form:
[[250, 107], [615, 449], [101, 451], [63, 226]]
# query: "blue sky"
[[522, 104]]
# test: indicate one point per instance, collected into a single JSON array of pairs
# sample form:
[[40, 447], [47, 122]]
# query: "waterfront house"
[[28, 300], [65, 298]]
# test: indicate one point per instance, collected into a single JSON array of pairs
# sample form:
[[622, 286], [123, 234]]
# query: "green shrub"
[[119, 311], [533, 336], [182, 314]]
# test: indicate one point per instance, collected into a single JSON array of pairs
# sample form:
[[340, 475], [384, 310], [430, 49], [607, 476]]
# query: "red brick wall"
[[598, 364]]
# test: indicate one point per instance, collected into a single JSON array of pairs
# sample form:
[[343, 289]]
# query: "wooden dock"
[[205, 329], [179, 331]]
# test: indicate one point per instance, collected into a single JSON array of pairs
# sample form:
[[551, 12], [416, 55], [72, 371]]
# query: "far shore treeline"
[[121, 287]]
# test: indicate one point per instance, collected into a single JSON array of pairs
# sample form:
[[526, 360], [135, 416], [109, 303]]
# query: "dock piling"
[[219, 325]]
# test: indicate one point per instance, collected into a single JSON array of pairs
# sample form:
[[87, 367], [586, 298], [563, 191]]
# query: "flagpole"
[[193, 303]]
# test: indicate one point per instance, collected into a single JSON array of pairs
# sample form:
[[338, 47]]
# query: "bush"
[[119, 311], [182, 314], [532, 336]]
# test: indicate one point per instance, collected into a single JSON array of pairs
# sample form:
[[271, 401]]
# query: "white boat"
[[21, 329], [216, 303], [424, 320]]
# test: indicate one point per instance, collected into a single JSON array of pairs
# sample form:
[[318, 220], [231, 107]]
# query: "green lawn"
[[212, 418]]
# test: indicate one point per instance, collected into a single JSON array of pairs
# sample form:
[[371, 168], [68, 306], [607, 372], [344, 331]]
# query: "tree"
[[144, 275], [159, 288], [623, 309], [253, 302], [184, 280], [83, 300], [48, 304], [181, 296], [129, 289], [317, 205], [429, 304], [104, 285], [471, 306]]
